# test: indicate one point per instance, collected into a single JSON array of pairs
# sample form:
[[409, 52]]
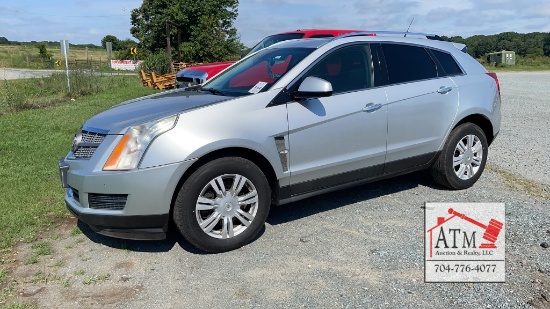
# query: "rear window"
[[407, 63], [321, 36], [448, 63], [270, 40]]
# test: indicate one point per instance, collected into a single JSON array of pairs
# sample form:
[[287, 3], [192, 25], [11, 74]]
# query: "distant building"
[[502, 57]]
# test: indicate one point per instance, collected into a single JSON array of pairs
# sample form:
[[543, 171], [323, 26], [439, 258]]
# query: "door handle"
[[444, 90], [371, 107]]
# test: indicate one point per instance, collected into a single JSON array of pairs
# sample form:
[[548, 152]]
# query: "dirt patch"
[[542, 283], [57, 270]]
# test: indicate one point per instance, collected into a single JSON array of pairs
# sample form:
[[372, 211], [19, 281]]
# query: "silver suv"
[[297, 119]]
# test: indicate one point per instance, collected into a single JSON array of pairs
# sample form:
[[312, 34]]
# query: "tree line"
[[530, 45], [5, 41], [189, 31], [204, 31]]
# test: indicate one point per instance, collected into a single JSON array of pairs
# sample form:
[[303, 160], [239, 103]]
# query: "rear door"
[[341, 138], [422, 104]]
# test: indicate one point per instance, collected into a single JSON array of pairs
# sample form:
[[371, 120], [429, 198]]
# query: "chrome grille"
[[85, 144], [107, 201], [84, 152], [92, 137]]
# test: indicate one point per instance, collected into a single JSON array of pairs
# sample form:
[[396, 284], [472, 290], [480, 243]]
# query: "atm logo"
[[445, 235]]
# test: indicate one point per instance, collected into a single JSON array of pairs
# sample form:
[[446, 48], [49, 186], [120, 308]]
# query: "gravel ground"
[[6, 73], [357, 248], [523, 145]]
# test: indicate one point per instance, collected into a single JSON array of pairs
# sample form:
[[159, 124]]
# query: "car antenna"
[[408, 28]]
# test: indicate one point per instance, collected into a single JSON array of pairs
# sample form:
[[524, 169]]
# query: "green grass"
[[57, 264], [97, 279], [3, 274], [75, 231], [522, 64], [4, 294], [32, 260], [42, 248], [66, 283], [39, 92], [19, 306], [517, 183], [16, 56], [32, 142]]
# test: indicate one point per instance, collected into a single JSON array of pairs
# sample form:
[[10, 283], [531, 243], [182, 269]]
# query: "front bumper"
[[94, 197], [153, 227]]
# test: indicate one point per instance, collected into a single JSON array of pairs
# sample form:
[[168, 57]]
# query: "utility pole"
[[179, 44], [168, 48]]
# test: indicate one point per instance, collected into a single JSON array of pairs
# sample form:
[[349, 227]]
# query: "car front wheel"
[[463, 157], [223, 204]]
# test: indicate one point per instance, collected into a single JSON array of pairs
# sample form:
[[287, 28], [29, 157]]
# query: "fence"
[[35, 62]]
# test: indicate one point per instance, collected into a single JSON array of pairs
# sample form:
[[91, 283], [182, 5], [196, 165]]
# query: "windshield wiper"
[[214, 91]]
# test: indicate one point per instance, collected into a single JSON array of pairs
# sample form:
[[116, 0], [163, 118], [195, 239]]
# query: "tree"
[[204, 28], [158, 62], [3, 40], [44, 54], [546, 45], [111, 38], [124, 52]]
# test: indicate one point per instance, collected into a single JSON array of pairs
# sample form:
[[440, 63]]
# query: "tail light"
[[494, 76]]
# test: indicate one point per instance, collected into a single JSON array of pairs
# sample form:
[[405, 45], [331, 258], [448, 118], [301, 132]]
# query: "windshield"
[[256, 73], [270, 40]]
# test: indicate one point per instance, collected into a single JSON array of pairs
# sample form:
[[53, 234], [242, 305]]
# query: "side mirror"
[[313, 87]]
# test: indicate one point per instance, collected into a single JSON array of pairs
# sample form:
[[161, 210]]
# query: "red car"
[[198, 74]]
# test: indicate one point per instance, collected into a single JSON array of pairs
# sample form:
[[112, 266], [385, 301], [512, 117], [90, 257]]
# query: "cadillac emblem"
[[76, 141]]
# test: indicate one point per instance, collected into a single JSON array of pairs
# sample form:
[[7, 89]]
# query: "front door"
[[342, 138]]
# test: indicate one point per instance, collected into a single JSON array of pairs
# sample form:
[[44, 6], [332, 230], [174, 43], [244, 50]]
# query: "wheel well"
[[483, 123], [245, 153]]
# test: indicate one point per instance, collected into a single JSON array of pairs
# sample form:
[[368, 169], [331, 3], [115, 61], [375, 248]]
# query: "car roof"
[[334, 32], [301, 43], [380, 36]]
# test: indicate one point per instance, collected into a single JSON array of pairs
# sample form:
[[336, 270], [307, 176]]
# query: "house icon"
[[491, 230]]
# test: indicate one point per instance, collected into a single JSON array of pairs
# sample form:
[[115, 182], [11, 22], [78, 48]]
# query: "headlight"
[[133, 144]]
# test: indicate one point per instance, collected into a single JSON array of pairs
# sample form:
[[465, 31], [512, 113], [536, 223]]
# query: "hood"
[[210, 69], [149, 108]]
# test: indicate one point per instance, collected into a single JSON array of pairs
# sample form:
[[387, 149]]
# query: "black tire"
[[186, 217], [444, 170]]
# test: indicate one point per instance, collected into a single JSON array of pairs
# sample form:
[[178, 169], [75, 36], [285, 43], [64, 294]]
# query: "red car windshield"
[[257, 73], [270, 40]]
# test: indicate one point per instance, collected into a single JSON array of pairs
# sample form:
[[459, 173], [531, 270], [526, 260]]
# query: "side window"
[[407, 63], [347, 69], [321, 36], [447, 62]]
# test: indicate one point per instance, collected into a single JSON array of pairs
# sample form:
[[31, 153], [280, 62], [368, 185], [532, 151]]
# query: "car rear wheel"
[[223, 204], [463, 157]]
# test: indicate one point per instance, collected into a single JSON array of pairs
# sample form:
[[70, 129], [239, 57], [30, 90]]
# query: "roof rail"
[[392, 33], [417, 35]]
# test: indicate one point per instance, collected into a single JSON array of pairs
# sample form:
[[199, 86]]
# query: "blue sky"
[[87, 21]]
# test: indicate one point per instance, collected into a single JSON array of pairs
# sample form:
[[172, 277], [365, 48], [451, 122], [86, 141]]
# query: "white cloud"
[[42, 20]]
